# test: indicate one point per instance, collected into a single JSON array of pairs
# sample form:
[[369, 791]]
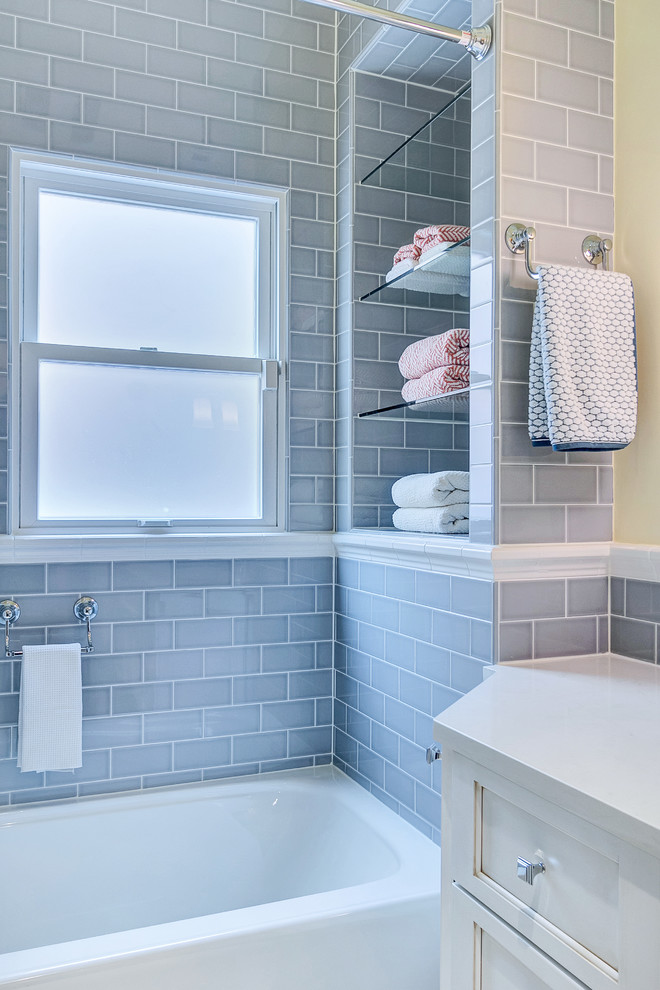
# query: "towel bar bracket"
[[596, 250], [519, 238], [10, 613], [85, 609]]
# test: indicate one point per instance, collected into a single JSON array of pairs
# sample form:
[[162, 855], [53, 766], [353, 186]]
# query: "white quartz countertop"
[[588, 725]]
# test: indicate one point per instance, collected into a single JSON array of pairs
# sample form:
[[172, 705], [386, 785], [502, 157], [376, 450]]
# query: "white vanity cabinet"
[[551, 828]]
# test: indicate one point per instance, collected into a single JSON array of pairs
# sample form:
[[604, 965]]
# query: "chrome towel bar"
[[84, 609], [519, 238]]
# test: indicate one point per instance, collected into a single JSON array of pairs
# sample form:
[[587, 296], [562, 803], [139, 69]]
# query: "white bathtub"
[[297, 880]]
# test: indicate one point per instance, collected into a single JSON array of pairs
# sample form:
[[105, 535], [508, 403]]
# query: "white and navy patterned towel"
[[583, 360]]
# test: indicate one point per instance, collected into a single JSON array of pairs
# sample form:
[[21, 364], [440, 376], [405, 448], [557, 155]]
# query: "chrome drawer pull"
[[527, 871]]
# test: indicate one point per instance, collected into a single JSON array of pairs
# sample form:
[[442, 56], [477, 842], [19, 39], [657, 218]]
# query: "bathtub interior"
[[103, 865]]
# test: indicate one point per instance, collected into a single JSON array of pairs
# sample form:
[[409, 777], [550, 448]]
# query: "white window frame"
[[31, 172]]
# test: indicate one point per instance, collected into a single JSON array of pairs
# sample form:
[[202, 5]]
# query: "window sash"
[[107, 185], [31, 356], [31, 171]]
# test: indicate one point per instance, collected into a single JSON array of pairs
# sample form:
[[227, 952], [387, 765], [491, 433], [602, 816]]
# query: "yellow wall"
[[637, 251]]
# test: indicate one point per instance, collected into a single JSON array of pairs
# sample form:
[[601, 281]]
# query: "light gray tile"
[[78, 76], [235, 135], [38, 8], [587, 596], [590, 209], [535, 199], [48, 38], [174, 64], [532, 599], [194, 10], [140, 88], [24, 66], [206, 41], [563, 484], [590, 132], [567, 166], [632, 638], [146, 27], [246, 20], [565, 637], [208, 161], [20, 130], [592, 54], [81, 578], [235, 77], [116, 52], [534, 39], [267, 54], [140, 150], [83, 14], [45, 102], [529, 119], [116, 114], [589, 523], [582, 16], [533, 524], [567, 87], [205, 100], [82, 140], [174, 124]]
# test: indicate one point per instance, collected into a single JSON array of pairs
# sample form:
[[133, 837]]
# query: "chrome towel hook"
[[85, 609], [519, 238]]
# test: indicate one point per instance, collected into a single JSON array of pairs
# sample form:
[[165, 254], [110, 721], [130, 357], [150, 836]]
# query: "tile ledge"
[[71, 549], [448, 554]]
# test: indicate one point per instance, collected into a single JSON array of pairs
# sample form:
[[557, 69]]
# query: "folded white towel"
[[450, 519], [426, 491], [583, 363], [50, 708]]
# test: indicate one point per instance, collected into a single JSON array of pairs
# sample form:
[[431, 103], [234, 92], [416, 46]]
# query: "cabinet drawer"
[[571, 910], [487, 955], [579, 891]]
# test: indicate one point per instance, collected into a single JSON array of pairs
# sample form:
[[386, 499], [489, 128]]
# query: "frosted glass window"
[[125, 442], [131, 275]]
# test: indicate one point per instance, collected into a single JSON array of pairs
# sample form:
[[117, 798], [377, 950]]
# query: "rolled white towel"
[[427, 491], [450, 519]]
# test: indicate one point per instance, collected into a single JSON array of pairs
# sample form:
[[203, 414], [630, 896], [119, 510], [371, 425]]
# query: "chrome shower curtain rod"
[[476, 40]]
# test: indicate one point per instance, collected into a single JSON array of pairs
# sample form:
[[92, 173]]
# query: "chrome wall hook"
[[519, 238], [596, 251]]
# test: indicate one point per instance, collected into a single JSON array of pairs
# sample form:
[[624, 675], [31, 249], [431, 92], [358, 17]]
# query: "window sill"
[[70, 549]]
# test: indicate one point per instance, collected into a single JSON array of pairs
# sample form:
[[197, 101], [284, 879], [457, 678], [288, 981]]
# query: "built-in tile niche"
[[411, 168]]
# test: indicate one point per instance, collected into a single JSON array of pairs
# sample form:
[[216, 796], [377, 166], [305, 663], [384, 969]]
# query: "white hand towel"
[[50, 708], [450, 519], [583, 363], [426, 491]]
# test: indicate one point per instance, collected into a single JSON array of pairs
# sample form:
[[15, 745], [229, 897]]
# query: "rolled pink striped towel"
[[429, 237], [407, 252], [440, 381], [452, 347]]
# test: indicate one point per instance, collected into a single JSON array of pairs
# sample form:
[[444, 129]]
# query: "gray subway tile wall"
[[556, 131], [551, 618], [408, 644], [207, 695], [208, 88], [635, 618]]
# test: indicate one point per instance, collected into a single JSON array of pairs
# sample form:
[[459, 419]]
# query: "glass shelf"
[[412, 154], [438, 406], [446, 271]]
